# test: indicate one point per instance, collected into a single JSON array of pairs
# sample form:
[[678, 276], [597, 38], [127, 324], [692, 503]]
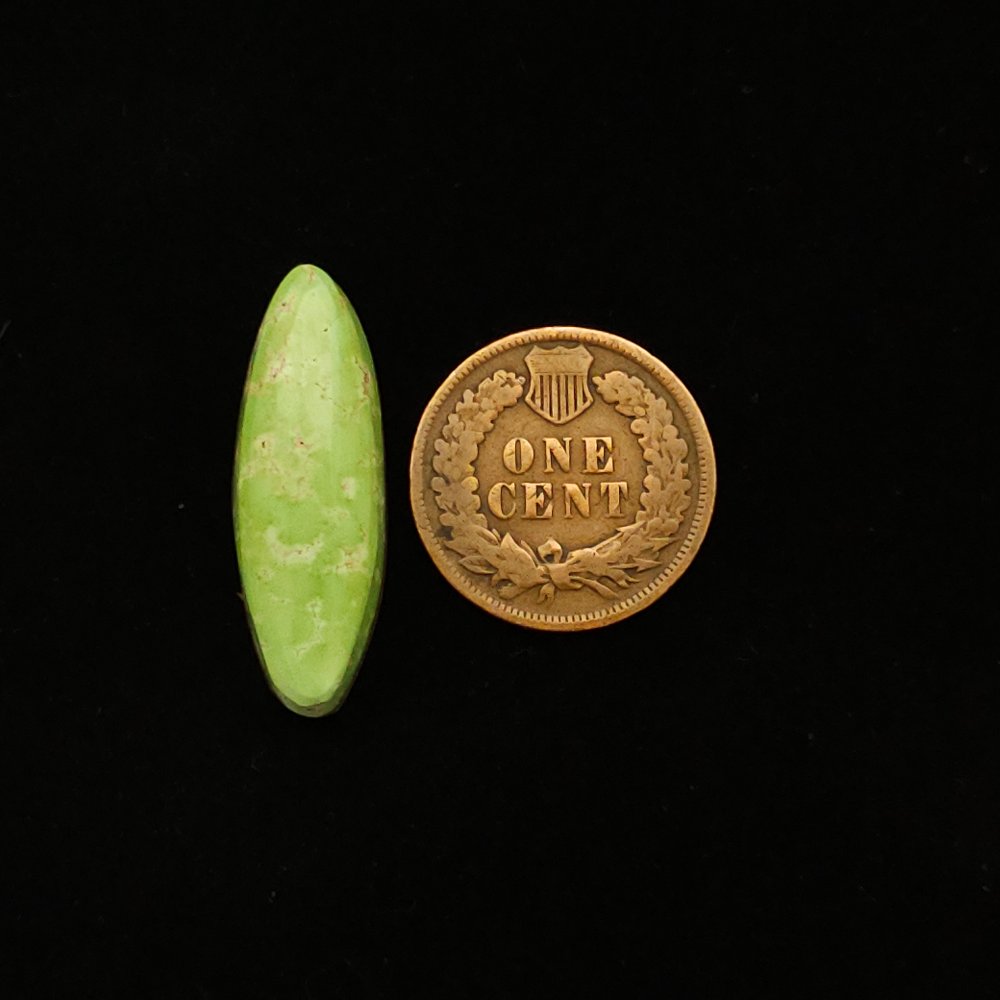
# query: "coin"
[[562, 478]]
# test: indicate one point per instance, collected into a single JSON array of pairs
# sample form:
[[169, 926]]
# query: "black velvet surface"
[[778, 780]]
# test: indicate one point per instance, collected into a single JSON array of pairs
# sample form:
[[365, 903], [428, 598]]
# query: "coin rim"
[[689, 546]]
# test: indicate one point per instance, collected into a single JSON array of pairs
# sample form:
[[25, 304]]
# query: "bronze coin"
[[562, 478]]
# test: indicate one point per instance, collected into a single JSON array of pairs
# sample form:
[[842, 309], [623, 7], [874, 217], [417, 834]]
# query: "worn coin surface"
[[562, 478]]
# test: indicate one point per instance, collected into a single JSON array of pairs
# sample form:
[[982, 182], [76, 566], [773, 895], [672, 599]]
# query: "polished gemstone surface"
[[309, 494]]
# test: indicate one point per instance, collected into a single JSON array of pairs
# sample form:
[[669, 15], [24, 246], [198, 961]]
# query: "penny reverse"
[[562, 478]]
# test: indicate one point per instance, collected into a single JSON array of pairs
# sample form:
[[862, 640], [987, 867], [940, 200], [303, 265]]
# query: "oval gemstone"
[[309, 493]]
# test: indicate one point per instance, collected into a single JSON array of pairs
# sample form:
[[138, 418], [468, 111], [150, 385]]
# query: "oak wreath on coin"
[[553, 505]]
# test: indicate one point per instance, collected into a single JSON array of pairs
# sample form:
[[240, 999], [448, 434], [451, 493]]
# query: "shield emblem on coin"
[[559, 390]]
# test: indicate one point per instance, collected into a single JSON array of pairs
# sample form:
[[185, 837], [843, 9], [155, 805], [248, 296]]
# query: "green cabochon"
[[309, 493]]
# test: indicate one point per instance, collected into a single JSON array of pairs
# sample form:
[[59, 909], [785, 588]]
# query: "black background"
[[775, 780]]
